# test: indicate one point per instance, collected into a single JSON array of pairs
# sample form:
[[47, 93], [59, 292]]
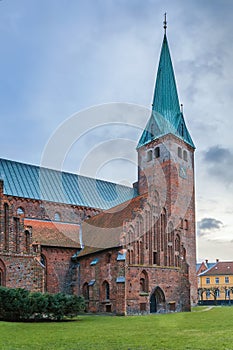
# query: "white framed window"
[[207, 280]]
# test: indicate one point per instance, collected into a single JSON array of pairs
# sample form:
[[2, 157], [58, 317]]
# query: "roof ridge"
[[62, 171]]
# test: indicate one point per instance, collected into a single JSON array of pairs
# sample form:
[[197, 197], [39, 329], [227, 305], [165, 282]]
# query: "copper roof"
[[35, 182]]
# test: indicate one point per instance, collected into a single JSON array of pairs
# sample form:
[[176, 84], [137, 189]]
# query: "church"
[[137, 256]]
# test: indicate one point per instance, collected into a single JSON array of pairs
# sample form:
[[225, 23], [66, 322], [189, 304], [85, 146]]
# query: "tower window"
[[157, 152], [149, 155], [185, 155], [179, 152], [155, 258]]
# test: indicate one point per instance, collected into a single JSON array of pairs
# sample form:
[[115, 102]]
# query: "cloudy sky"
[[60, 58]]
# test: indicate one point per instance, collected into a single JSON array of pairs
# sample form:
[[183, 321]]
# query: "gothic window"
[[20, 211], [155, 258], [149, 155], [57, 217], [16, 230], [86, 291], [144, 282], [106, 290], [186, 224], [170, 255], [177, 243], [177, 251], [162, 228], [181, 223], [138, 252], [179, 152], [27, 241], [185, 155], [6, 226], [157, 152], [141, 245], [42, 259]]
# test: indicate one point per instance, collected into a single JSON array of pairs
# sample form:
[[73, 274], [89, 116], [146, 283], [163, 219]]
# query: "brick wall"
[[58, 274], [107, 269]]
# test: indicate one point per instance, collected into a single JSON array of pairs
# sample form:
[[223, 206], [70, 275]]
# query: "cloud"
[[219, 161], [208, 225]]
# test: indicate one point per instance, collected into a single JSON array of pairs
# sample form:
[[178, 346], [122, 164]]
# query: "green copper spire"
[[166, 116]]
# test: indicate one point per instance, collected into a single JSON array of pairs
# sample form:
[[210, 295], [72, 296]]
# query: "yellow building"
[[215, 282]]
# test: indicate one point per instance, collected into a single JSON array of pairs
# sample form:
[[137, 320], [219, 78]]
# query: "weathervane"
[[165, 22]]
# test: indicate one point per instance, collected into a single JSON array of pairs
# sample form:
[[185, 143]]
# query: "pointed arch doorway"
[[157, 300]]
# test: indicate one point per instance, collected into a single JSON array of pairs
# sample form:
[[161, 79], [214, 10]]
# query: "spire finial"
[[165, 22]]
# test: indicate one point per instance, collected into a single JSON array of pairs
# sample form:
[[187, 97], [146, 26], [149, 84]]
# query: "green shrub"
[[21, 305]]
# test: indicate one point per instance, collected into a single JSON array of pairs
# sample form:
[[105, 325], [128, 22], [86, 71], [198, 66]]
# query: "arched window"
[[43, 260], [17, 232], [86, 291], [162, 228], [177, 243], [106, 290], [179, 152], [185, 155], [149, 155], [144, 282], [57, 217], [157, 152], [20, 211], [181, 223], [6, 226], [27, 241], [186, 224]]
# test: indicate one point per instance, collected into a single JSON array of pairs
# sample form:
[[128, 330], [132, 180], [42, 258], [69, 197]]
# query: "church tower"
[[166, 164]]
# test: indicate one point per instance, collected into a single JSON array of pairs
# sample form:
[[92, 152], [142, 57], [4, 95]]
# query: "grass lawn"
[[200, 329]]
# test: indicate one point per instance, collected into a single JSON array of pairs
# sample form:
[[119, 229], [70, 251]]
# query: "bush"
[[21, 305]]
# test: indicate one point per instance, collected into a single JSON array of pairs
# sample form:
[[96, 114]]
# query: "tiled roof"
[[34, 182], [219, 268], [166, 117], [55, 234], [105, 229], [203, 266]]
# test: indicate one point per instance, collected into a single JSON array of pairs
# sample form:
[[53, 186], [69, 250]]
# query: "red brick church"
[[126, 250]]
